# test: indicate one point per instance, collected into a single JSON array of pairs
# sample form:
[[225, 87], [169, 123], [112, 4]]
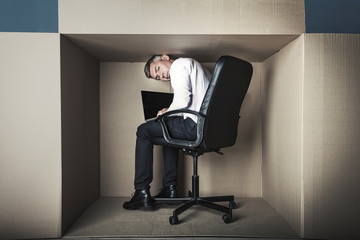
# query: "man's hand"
[[162, 111]]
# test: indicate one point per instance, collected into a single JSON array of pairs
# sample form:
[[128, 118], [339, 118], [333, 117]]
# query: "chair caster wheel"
[[227, 218], [173, 220], [232, 205]]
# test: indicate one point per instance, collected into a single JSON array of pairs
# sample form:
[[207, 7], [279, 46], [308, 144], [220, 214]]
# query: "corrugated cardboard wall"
[[80, 120], [186, 16], [332, 135], [311, 134], [281, 96], [30, 139]]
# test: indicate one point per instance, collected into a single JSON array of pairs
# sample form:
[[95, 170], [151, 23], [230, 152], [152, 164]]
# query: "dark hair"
[[147, 65]]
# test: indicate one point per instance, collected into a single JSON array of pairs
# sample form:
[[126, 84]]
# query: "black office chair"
[[217, 124]]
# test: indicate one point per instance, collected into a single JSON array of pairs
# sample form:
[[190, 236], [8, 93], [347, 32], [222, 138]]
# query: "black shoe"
[[167, 192], [141, 200]]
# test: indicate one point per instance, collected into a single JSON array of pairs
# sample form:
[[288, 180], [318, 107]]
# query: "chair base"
[[208, 202], [194, 199]]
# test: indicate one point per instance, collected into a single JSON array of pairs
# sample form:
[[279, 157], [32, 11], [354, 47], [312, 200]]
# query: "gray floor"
[[253, 218]]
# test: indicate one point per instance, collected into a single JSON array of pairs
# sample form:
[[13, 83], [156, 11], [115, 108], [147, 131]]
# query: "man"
[[189, 81]]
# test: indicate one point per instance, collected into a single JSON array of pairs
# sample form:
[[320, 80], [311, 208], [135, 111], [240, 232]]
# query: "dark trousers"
[[179, 128]]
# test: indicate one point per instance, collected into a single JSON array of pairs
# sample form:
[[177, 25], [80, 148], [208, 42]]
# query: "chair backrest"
[[223, 100]]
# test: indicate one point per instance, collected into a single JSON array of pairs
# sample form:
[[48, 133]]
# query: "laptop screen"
[[155, 101]]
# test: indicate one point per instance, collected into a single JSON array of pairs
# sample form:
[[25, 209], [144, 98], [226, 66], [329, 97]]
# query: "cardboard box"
[[65, 141]]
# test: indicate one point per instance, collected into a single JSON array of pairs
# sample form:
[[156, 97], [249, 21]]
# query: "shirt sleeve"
[[181, 84]]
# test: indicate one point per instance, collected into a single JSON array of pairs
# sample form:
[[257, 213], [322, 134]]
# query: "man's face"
[[160, 70]]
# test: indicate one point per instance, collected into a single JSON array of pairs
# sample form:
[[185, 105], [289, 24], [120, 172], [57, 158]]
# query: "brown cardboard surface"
[[182, 17], [298, 141], [331, 136], [310, 96], [203, 47], [80, 135], [30, 139], [282, 131]]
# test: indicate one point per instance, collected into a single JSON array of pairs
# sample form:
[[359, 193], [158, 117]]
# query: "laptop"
[[154, 102]]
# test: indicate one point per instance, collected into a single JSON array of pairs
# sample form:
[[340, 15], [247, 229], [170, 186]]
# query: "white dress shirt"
[[189, 81]]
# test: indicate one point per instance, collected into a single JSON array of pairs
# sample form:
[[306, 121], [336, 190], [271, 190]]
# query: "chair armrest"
[[180, 142]]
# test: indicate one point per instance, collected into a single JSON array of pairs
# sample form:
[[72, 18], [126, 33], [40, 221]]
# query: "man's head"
[[158, 67]]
